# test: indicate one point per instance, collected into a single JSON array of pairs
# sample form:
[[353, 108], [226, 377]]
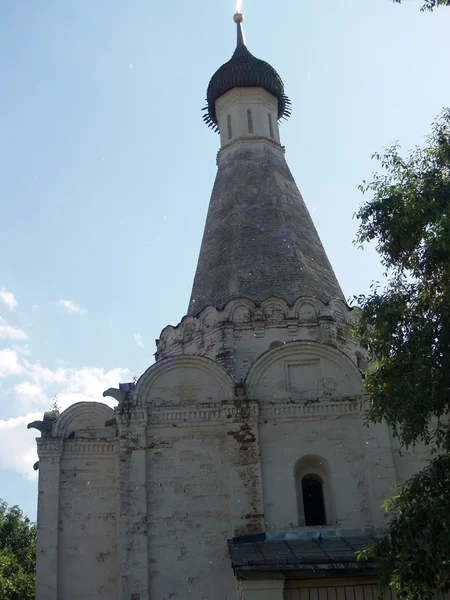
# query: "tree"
[[405, 329], [430, 4], [17, 554]]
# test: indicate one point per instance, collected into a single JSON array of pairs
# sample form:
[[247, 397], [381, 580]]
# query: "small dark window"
[[250, 121], [313, 502], [270, 126], [230, 133]]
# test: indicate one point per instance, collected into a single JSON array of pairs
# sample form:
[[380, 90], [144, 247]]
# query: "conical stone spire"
[[259, 239]]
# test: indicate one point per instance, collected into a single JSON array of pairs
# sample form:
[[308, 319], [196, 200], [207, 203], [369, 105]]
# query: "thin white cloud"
[[8, 298], [138, 339], [30, 394], [71, 306], [23, 350], [35, 393], [70, 385], [9, 363], [8, 332], [44, 376], [18, 445]]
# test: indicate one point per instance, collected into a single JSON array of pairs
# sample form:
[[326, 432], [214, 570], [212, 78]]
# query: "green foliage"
[[414, 556], [405, 329], [17, 554], [54, 409], [430, 4]]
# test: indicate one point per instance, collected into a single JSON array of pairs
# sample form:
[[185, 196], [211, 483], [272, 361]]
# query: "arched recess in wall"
[[239, 310], [308, 309], [230, 132], [249, 121], [184, 380], [87, 419], [270, 126], [303, 370], [315, 492]]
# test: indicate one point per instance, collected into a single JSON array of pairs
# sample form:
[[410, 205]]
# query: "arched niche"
[[85, 420], [314, 485], [240, 310], [303, 370], [209, 318], [340, 311], [184, 380], [275, 310], [307, 309]]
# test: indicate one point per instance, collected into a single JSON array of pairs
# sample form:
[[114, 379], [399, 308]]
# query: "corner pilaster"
[[247, 508], [133, 504], [49, 452]]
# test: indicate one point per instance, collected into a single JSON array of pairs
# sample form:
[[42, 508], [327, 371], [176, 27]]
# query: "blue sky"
[[107, 169]]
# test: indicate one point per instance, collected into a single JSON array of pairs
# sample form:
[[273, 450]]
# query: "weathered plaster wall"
[[187, 477], [211, 444], [77, 546], [88, 528], [337, 440], [189, 519]]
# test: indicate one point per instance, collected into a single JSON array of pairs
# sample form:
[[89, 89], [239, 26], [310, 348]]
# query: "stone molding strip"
[[91, 447], [51, 447], [252, 411], [306, 410]]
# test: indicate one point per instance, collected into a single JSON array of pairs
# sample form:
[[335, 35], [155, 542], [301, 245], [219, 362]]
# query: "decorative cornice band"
[[197, 335], [49, 447], [245, 410], [169, 415], [253, 410], [310, 409], [91, 447]]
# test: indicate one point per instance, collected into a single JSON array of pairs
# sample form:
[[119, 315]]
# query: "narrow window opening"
[[250, 121], [313, 500], [270, 126], [230, 133]]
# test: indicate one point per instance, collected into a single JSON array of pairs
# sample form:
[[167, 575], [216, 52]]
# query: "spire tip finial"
[[238, 19]]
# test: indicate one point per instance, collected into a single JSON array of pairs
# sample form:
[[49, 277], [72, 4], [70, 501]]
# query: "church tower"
[[238, 466], [259, 240]]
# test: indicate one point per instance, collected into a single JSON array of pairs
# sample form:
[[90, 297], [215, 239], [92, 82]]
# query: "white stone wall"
[[233, 116], [336, 441], [77, 547], [88, 526], [189, 511], [211, 443]]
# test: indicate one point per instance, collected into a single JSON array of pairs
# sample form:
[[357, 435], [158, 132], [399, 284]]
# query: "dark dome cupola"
[[244, 70]]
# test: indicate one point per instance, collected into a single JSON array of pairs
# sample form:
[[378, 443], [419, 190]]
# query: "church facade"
[[238, 466]]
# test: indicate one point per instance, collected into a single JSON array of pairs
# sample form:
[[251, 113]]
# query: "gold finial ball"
[[238, 18]]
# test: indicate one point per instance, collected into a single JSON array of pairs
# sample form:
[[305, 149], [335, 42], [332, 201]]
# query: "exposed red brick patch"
[[244, 436]]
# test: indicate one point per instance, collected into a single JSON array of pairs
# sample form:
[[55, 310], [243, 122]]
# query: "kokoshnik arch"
[[238, 466]]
